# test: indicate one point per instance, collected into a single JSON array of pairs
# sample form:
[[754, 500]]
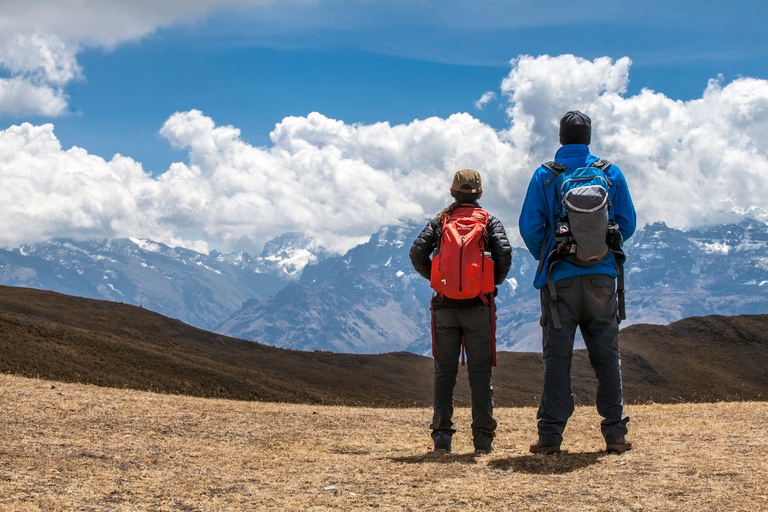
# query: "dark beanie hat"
[[575, 128]]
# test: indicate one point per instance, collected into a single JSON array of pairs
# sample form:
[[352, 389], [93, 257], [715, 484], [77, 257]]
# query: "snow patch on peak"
[[291, 252], [201, 264], [394, 236], [292, 262], [146, 245], [96, 257], [716, 248]]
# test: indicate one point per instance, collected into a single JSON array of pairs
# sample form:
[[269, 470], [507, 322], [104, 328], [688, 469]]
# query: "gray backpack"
[[583, 231]]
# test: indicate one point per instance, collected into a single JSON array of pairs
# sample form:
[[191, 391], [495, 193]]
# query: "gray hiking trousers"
[[474, 325], [587, 302]]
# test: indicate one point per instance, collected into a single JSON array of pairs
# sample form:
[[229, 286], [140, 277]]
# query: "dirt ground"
[[81, 447]]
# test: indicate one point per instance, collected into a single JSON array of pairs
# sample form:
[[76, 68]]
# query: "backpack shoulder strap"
[[556, 168], [602, 165], [482, 213]]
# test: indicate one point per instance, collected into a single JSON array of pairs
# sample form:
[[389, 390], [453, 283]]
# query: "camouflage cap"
[[467, 180]]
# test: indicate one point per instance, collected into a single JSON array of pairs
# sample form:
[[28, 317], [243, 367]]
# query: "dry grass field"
[[82, 447]]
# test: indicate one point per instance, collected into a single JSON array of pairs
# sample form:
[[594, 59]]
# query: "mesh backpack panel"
[[583, 195]]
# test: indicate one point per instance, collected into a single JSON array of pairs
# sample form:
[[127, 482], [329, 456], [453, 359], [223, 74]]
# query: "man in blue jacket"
[[585, 297]]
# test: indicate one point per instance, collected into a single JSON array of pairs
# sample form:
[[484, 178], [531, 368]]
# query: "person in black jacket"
[[471, 321]]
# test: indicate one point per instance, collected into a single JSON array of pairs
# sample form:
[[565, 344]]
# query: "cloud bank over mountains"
[[687, 163]]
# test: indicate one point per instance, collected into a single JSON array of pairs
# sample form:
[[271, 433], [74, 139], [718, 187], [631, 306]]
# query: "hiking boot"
[[538, 446], [620, 446], [442, 443], [483, 442], [484, 450]]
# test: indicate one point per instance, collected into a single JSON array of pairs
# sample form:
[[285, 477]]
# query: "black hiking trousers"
[[588, 303], [473, 324]]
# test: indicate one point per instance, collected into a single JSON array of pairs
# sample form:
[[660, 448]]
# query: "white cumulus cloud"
[[485, 99], [19, 96], [687, 164], [40, 40], [338, 181]]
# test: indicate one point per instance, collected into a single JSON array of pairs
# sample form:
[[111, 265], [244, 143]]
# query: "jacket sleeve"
[[501, 250], [422, 248], [534, 216], [623, 207]]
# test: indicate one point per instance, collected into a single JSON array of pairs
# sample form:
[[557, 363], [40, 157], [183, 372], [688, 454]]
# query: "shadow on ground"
[[557, 464], [437, 458]]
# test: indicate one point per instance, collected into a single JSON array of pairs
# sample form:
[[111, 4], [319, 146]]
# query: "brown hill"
[[59, 337]]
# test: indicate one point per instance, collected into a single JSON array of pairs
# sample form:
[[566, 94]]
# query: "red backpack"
[[461, 269]]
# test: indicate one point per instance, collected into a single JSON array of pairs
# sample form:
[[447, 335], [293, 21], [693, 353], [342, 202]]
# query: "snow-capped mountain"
[[288, 254], [202, 290], [366, 301], [720, 270], [670, 274], [370, 300]]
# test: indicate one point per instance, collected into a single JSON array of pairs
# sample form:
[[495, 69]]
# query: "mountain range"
[[369, 300], [200, 289]]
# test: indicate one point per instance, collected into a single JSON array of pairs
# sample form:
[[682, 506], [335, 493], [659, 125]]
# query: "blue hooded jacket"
[[537, 219]]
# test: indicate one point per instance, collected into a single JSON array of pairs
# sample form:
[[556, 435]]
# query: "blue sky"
[[110, 77], [384, 61]]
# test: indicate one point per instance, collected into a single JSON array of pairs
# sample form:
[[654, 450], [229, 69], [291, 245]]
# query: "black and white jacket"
[[498, 245]]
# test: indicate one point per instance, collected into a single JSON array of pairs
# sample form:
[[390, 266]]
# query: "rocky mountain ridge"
[[369, 300], [200, 289]]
